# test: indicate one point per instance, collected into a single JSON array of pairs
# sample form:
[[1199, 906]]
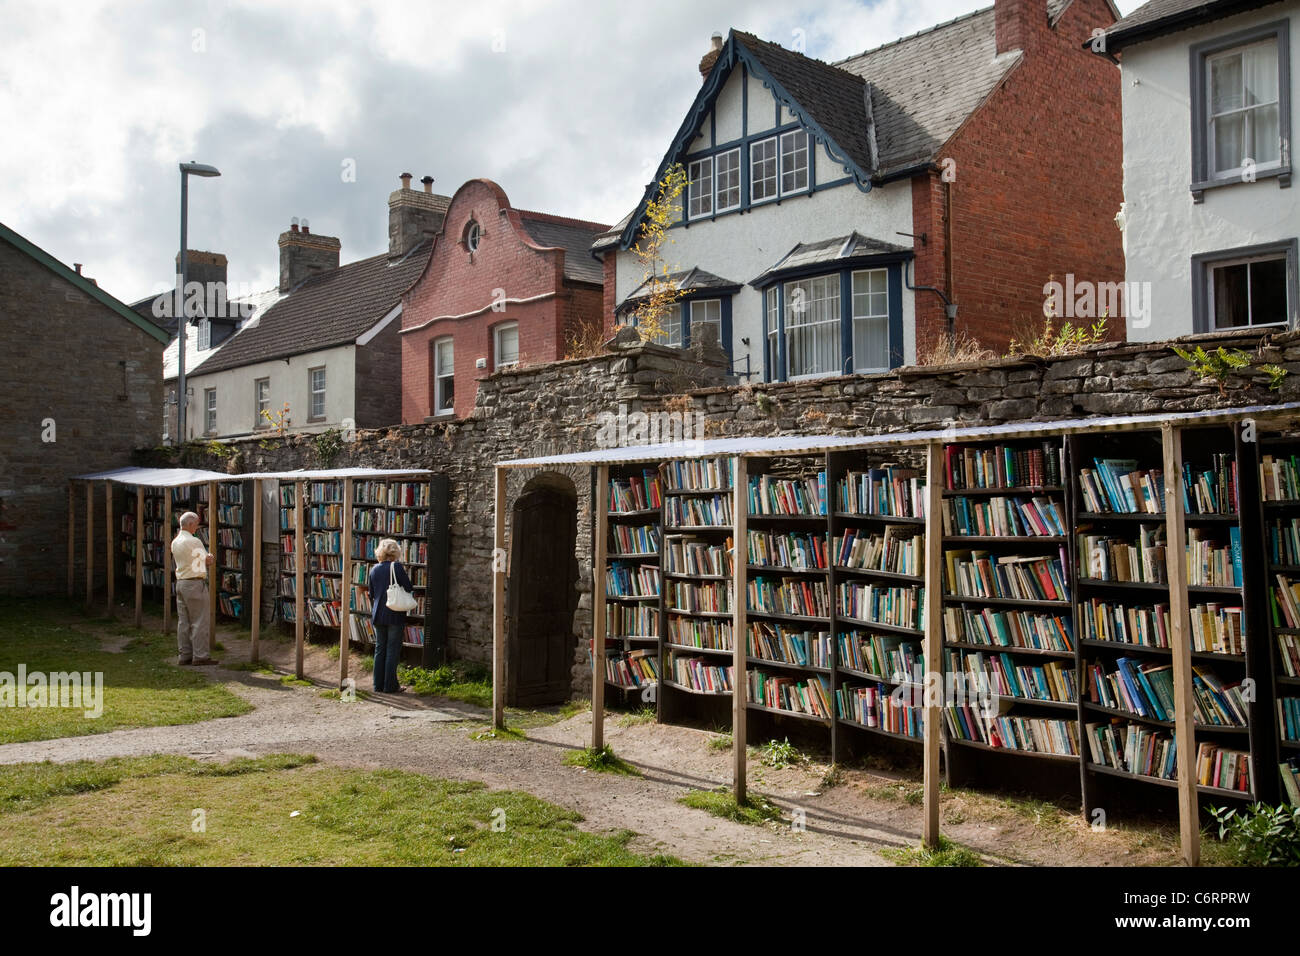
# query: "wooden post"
[[600, 537], [1180, 643], [214, 572], [499, 603], [345, 615], [139, 555], [167, 558], [933, 640], [299, 565], [739, 640], [110, 540], [72, 539], [256, 590], [90, 542]]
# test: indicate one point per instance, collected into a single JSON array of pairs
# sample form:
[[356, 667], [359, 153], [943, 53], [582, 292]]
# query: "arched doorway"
[[541, 594]]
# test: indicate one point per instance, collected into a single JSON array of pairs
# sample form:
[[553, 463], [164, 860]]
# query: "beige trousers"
[[193, 637]]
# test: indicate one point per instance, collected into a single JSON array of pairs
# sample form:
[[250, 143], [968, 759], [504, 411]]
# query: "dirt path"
[[844, 824]]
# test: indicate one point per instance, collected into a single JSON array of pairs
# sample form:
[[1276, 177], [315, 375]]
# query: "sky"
[[312, 108]]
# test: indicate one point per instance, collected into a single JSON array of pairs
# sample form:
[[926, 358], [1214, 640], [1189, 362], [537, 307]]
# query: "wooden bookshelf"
[[157, 503], [321, 550], [234, 539], [634, 585]]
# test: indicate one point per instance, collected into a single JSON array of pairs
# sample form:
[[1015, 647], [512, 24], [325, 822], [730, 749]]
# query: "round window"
[[472, 235]]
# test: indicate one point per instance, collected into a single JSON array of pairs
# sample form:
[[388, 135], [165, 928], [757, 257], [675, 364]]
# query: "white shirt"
[[189, 557]]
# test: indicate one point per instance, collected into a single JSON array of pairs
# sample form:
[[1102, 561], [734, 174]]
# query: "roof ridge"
[[805, 56], [562, 220], [912, 36]]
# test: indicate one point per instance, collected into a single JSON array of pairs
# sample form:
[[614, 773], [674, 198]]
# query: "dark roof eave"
[[1181, 20], [829, 265], [905, 172]]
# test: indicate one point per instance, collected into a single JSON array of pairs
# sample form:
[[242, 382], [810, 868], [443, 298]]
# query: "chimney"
[[1018, 24], [710, 58], [303, 254], [204, 267], [413, 215]]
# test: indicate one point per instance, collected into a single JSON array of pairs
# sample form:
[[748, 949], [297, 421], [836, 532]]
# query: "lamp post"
[[197, 169]]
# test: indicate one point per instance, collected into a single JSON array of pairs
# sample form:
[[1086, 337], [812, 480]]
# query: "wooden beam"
[[110, 539], [933, 641], [90, 542], [299, 564], [345, 612], [1180, 643], [499, 568], [72, 540], [600, 538], [739, 640], [214, 572], [255, 595], [167, 558], [139, 555]]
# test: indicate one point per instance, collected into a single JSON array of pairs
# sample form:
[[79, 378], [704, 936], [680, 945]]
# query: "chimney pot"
[[305, 228], [77, 266], [428, 184], [293, 224], [717, 41], [406, 180]]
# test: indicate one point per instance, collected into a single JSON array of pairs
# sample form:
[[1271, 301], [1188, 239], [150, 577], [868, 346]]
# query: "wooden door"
[[541, 598]]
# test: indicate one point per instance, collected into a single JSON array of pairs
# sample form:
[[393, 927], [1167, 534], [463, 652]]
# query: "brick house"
[[503, 286], [838, 214], [1211, 223], [326, 344], [80, 391]]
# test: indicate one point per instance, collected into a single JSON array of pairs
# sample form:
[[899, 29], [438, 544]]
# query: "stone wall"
[[556, 408]]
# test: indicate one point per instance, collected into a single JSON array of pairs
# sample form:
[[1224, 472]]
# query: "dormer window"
[[473, 233], [205, 335]]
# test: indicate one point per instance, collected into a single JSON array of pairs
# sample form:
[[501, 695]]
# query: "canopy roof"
[[179, 477]]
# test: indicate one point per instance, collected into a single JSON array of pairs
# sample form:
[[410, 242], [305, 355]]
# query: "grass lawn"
[[139, 812], [142, 685]]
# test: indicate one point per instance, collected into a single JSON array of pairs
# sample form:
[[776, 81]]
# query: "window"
[[794, 162], [1240, 109], [473, 233], [169, 403], [762, 170], [812, 326], [316, 384], [706, 312], [700, 195], [870, 321], [1244, 287], [205, 335], [505, 345], [727, 171], [444, 368], [672, 326], [772, 308], [261, 402], [209, 411]]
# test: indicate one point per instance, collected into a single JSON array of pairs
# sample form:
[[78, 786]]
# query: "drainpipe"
[[949, 307]]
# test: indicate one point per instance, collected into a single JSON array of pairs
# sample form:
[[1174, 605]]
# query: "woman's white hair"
[[388, 550]]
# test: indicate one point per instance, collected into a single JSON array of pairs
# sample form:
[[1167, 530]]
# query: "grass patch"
[[504, 733], [779, 754], [947, 854], [333, 652], [464, 681], [571, 708], [642, 715], [138, 812], [756, 810], [289, 680], [721, 742], [142, 687], [255, 667], [603, 760]]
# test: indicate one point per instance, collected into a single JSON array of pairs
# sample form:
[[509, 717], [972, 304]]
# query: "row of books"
[[634, 669], [324, 613], [635, 494], [1211, 490], [1288, 717], [1212, 563], [150, 577], [1279, 478], [641, 620], [1223, 768], [1046, 632], [894, 659], [401, 521], [231, 605], [810, 695], [1133, 748], [634, 539], [1290, 771], [316, 563], [1118, 486], [230, 537], [1147, 690], [710, 512], [688, 555], [1002, 466], [230, 558], [1002, 517], [1283, 536], [874, 706], [803, 551], [699, 474], [1286, 602], [773, 642], [700, 674], [710, 597], [797, 596], [394, 494], [787, 496], [894, 606], [1110, 558], [891, 492], [700, 632], [1288, 646], [1014, 577], [623, 579], [1007, 676], [230, 514], [1013, 732], [1215, 629], [412, 551], [899, 550]]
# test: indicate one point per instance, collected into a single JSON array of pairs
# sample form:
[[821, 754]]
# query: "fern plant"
[[1214, 366]]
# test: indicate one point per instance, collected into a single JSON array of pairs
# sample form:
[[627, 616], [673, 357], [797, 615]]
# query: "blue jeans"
[[388, 652]]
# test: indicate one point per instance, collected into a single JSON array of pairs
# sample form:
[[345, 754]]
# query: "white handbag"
[[398, 598]]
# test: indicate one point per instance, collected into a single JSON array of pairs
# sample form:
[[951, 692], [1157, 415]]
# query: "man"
[[191, 559]]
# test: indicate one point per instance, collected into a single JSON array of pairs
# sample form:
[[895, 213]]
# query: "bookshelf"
[[397, 509], [321, 549], [157, 501], [234, 536]]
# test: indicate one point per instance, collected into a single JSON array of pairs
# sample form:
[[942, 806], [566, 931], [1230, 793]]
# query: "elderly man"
[[191, 559]]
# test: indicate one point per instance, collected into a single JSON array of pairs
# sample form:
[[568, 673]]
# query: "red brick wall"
[[1039, 179], [506, 266]]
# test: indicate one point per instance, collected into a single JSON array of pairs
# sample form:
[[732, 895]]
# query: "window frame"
[[1200, 55], [688, 313], [738, 172], [438, 407], [854, 318], [497, 364], [776, 169], [312, 393], [473, 236], [807, 162], [702, 195], [203, 335], [210, 410], [834, 284], [1204, 263], [259, 420]]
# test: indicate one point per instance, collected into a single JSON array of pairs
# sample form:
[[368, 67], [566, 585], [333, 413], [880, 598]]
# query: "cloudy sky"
[[568, 105]]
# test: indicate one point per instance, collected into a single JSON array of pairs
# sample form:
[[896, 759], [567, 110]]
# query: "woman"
[[390, 626]]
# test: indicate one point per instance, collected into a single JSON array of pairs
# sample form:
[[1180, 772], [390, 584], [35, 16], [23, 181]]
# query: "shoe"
[[400, 690], [184, 663], [202, 661]]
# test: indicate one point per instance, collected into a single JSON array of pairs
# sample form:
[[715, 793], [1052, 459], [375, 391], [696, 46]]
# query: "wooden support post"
[[345, 612], [1180, 643], [299, 566], [72, 539], [499, 603], [214, 573], [109, 540], [933, 641], [600, 537], [739, 642], [256, 585], [167, 558], [90, 542], [139, 555]]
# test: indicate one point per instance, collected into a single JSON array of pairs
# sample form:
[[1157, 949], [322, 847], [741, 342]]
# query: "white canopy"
[[179, 477]]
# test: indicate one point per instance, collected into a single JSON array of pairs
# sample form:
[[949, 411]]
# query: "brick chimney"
[[303, 254], [1019, 24], [710, 58], [203, 267], [413, 215]]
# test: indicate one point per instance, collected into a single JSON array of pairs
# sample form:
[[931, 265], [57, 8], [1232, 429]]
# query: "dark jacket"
[[379, 581]]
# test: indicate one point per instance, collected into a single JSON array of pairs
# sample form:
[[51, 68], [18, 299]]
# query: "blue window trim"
[[724, 295], [743, 144]]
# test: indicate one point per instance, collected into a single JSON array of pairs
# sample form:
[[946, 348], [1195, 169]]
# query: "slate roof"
[[574, 236], [330, 308], [853, 246], [194, 358], [1160, 17], [691, 280]]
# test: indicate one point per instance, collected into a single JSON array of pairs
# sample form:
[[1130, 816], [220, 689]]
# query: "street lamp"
[[187, 169]]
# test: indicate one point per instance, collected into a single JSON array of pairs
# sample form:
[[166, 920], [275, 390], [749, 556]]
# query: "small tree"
[[648, 250]]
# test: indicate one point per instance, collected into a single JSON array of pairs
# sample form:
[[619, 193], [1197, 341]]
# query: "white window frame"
[[699, 203], [799, 150], [754, 166], [862, 313], [672, 326], [733, 173], [204, 335], [473, 235], [826, 283], [706, 305], [439, 408], [313, 392], [1246, 111], [209, 411], [497, 330], [261, 404], [772, 319], [1212, 266]]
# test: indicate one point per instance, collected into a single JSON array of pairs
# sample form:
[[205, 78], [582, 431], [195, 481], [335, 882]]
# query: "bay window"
[[870, 321], [812, 326]]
